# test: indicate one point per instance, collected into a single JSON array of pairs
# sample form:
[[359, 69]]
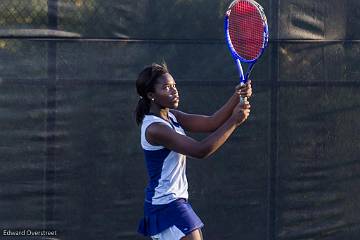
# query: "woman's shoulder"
[[150, 119], [175, 114]]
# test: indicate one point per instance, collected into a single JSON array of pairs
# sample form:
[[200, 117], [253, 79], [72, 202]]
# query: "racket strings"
[[246, 30]]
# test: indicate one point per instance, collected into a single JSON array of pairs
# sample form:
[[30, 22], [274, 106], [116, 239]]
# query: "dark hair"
[[145, 84]]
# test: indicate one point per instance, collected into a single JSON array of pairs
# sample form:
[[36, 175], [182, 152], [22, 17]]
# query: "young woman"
[[167, 212]]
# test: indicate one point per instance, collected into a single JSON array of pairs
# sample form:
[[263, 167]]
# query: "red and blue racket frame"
[[238, 59]]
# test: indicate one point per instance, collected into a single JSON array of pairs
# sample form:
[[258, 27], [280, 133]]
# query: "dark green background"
[[69, 147]]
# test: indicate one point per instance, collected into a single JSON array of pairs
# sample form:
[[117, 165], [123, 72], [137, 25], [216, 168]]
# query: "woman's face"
[[165, 92]]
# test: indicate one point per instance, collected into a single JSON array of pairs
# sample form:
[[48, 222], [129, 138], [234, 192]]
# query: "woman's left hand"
[[244, 90]]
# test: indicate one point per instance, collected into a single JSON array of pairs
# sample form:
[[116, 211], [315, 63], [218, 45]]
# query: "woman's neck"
[[160, 112]]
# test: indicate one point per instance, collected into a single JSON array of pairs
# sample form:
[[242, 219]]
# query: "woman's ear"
[[150, 96]]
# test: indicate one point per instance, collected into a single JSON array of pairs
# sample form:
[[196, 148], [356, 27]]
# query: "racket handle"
[[242, 99]]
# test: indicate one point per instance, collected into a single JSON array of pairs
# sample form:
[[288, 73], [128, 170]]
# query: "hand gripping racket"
[[246, 33]]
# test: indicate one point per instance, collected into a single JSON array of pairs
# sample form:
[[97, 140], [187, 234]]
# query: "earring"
[[152, 99]]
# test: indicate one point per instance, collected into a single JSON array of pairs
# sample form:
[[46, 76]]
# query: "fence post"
[[50, 166]]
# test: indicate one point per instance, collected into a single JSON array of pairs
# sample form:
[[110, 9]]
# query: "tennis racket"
[[246, 34]]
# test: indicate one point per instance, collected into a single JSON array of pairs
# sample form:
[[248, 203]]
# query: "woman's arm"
[[203, 123], [161, 134]]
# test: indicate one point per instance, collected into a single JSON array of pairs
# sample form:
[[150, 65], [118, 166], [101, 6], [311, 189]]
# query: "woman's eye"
[[168, 87]]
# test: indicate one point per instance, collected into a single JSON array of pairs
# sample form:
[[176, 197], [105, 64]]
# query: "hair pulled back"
[[145, 84]]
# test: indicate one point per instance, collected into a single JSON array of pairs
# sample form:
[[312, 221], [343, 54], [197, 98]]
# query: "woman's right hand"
[[241, 112]]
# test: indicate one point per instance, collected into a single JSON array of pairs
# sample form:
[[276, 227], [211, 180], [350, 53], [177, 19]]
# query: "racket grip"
[[242, 99]]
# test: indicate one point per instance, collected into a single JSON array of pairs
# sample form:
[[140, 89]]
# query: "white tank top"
[[166, 168]]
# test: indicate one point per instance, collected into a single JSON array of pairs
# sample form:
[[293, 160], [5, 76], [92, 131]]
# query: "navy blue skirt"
[[178, 213]]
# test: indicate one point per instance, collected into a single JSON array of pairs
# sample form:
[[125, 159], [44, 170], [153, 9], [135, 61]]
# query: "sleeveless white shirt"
[[166, 168]]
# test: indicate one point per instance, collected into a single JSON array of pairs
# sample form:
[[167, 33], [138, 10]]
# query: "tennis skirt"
[[178, 213]]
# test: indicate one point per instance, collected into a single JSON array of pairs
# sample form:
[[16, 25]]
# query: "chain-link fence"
[[70, 154]]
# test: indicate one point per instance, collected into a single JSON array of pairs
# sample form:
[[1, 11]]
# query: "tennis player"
[[167, 212]]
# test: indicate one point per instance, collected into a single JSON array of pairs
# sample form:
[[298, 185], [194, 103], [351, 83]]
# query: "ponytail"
[[142, 108], [145, 84]]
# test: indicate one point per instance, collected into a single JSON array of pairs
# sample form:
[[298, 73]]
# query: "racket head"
[[246, 30]]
